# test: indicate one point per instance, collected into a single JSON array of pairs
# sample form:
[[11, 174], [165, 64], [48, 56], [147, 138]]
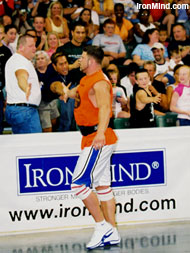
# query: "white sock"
[[101, 223]]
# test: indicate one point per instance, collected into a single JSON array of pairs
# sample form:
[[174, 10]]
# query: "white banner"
[[150, 179]]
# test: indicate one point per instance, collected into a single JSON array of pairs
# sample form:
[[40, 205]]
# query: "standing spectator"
[[180, 102], [104, 8], [5, 54], [23, 89], [159, 87], [112, 44], [55, 22], [41, 8], [73, 49], [10, 36], [142, 102], [39, 26], [52, 43], [48, 110], [63, 75], [181, 42]]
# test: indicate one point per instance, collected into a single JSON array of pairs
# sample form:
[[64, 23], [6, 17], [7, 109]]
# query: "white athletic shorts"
[[93, 167]]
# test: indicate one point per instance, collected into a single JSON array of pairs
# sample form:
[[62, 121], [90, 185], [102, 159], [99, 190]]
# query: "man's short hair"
[[96, 52], [22, 39], [141, 71], [108, 21], [78, 23], [55, 56], [8, 27], [150, 63]]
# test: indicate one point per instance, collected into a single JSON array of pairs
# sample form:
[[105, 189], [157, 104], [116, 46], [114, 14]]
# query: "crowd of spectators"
[[150, 44]]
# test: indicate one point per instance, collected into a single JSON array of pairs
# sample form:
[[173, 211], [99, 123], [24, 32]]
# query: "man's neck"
[[77, 44], [162, 61]]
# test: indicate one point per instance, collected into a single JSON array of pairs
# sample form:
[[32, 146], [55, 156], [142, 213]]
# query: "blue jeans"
[[23, 119], [66, 115], [184, 122]]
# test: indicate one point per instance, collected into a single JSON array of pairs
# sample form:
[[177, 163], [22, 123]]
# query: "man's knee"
[[81, 191], [105, 194]]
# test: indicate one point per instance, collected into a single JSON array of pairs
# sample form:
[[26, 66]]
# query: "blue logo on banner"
[[53, 174]]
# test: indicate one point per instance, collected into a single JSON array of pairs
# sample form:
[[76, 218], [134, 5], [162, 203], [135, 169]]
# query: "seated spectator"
[[161, 15], [181, 42], [163, 37], [123, 28], [104, 8], [63, 75], [143, 25], [143, 52], [52, 43], [55, 22], [41, 8], [10, 37], [180, 12], [74, 48], [89, 4], [187, 23], [6, 20], [6, 7], [180, 102], [157, 87], [48, 110], [170, 88], [129, 80], [39, 26], [91, 29], [112, 44], [69, 7], [175, 56], [119, 98], [21, 22], [130, 9], [162, 65], [142, 102]]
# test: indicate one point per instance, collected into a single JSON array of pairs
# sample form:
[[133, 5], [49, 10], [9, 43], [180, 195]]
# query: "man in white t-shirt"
[[162, 65], [23, 89]]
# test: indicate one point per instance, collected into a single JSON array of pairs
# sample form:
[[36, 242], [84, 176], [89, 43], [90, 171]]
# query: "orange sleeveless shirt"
[[85, 112]]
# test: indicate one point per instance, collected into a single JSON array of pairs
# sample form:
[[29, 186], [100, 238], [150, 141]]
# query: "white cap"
[[157, 45]]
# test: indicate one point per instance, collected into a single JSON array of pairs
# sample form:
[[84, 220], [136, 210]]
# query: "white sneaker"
[[113, 239], [102, 231]]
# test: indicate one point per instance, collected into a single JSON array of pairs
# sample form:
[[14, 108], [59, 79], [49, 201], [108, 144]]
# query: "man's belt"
[[86, 130], [24, 104]]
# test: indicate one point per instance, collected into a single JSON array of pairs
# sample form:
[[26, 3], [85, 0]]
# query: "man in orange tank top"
[[93, 100]]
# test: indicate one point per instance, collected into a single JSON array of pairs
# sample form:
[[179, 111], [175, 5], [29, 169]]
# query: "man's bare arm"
[[22, 78]]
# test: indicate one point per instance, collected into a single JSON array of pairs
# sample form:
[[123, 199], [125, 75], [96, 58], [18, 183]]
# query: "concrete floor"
[[147, 238]]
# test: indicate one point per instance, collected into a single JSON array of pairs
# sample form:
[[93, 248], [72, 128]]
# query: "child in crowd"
[[175, 59], [141, 103], [180, 102], [163, 37], [119, 98]]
